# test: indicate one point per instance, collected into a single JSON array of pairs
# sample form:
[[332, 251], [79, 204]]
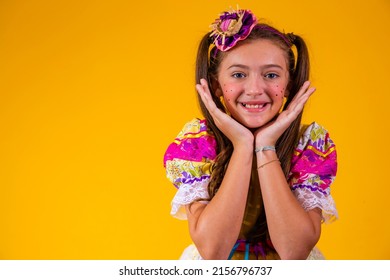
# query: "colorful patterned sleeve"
[[187, 162], [314, 167]]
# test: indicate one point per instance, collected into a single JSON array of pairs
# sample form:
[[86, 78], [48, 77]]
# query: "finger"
[[296, 106], [203, 91], [302, 90], [205, 94], [302, 96]]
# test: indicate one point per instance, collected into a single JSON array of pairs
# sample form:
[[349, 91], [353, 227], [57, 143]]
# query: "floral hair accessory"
[[231, 27]]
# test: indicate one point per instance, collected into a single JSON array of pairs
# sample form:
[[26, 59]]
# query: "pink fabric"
[[189, 159], [192, 146], [314, 156]]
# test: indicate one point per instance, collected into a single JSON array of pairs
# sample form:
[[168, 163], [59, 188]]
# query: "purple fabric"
[[314, 164], [195, 146], [224, 43]]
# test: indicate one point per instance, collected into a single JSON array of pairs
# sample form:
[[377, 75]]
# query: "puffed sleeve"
[[187, 163], [313, 170]]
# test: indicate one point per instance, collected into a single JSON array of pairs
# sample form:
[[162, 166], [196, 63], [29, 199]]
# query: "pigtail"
[[206, 69], [299, 73], [202, 64], [302, 68]]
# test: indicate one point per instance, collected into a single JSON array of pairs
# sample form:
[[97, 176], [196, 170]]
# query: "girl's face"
[[253, 78]]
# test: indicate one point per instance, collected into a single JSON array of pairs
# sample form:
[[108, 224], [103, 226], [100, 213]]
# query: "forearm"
[[215, 228], [292, 230]]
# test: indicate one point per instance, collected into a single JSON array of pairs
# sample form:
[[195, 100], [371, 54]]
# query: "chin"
[[253, 123], [254, 126]]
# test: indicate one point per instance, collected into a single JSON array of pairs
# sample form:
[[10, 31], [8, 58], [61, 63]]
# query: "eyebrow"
[[266, 66]]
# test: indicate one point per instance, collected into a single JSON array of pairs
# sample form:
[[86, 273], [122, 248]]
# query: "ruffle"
[[193, 143], [188, 161], [314, 168], [187, 194], [310, 199]]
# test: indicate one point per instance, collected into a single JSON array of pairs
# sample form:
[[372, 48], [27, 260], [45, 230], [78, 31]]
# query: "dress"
[[188, 161]]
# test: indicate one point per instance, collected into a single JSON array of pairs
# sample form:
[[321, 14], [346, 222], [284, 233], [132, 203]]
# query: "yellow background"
[[92, 93]]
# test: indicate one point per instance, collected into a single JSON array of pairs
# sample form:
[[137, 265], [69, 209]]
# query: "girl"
[[252, 181]]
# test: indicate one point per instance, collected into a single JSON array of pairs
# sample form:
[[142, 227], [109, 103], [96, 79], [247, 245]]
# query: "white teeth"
[[253, 106]]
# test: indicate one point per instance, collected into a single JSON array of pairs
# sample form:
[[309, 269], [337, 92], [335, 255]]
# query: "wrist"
[[244, 154], [265, 153], [243, 148], [263, 158], [244, 144], [264, 142], [260, 166], [260, 149]]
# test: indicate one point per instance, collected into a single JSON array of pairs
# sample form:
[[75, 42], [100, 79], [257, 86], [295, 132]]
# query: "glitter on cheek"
[[229, 89], [282, 90], [278, 91]]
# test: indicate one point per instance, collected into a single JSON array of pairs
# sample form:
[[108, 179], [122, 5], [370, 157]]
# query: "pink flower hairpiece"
[[231, 27]]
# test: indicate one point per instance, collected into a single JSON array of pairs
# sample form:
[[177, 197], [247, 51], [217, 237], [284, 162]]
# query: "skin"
[[253, 91], [253, 73]]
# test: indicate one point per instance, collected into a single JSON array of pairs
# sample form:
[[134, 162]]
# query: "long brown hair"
[[207, 63]]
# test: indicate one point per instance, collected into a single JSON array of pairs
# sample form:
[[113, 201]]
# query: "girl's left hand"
[[270, 133]]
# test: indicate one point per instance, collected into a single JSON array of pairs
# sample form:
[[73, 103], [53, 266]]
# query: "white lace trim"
[[187, 194], [312, 199]]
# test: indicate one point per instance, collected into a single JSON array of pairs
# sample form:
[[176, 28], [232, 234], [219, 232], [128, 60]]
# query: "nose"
[[255, 85]]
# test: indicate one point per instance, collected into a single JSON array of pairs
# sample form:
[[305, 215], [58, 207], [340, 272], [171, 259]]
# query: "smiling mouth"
[[253, 106]]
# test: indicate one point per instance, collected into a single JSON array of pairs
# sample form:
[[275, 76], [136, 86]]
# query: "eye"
[[238, 75], [271, 75]]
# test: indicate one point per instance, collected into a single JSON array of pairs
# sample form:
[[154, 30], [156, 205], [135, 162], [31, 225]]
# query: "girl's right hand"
[[236, 132]]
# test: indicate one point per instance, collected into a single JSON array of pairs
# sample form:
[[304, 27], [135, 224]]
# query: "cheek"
[[278, 90], [230, 91]]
